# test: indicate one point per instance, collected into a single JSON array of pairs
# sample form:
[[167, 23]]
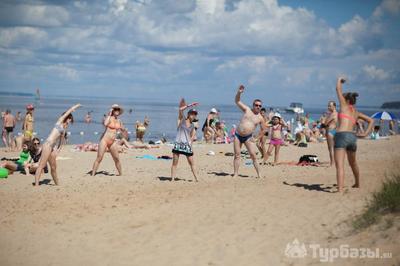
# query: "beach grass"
[[385, 201]]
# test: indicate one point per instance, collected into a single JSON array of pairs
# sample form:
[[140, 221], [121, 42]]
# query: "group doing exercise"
[[338, 127]]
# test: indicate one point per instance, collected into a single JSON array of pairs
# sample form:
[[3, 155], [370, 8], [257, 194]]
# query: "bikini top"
[[277, 128], [114, 125], [59, 128], [345, 116]]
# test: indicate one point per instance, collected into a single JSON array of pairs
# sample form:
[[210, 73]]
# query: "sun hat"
[[30, 107], [116, 106]]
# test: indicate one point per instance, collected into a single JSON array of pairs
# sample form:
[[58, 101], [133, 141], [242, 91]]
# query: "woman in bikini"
[[345, 137], [141, 128], [52, 145], [112, 125], [330, 127], [276, 140], [184, 138]]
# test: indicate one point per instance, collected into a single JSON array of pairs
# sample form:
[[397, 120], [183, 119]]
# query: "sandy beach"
[[141, 218]]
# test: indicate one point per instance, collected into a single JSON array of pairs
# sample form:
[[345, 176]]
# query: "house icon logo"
[[295, 250]]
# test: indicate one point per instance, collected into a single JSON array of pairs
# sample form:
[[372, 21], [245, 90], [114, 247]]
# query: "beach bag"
[[308, 159]]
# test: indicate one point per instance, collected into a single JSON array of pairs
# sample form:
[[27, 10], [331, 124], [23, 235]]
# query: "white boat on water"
[[296, 108]]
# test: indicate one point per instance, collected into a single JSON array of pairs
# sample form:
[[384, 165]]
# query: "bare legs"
[[339, 162], [46, 152], [175, 160], [251, 148], [351, 157], [269, 153], [237, 146], [330, 140], [53, 167], [100, 154], [115, 155]]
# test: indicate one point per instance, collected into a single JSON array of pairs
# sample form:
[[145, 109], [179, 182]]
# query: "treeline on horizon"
[[391, 105]]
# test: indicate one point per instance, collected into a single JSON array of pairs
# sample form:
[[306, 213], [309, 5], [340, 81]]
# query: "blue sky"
[[282, 51]]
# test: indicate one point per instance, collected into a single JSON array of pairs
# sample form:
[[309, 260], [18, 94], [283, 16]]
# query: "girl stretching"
[[184, 138], [52, 145], [345, 137], [112, 125], [276, 140]]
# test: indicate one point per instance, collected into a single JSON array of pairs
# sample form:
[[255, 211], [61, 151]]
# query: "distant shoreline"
[[10, 93]]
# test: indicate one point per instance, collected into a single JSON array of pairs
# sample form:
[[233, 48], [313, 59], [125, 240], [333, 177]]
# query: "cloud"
[[63, 71], [34, 15], [198, 46], [391, 7], [23, 37], [374, 73]]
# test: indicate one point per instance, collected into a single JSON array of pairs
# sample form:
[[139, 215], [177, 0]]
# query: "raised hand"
[[241, 89], [193, 104], [341, 79]]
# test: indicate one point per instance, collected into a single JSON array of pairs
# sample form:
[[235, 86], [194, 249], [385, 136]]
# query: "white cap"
[[213, 110], [278, 115]]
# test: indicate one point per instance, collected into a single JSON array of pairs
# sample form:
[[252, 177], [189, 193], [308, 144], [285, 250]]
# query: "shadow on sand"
[[312, 187], [44, 182], [164, 178], [101, 173], [225, 174]]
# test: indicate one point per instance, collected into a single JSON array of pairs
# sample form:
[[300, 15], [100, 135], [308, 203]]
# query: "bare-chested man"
[[9, 125], [244, 132]]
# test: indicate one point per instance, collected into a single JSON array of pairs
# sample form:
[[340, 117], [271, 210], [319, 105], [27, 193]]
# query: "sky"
[[282, 51]]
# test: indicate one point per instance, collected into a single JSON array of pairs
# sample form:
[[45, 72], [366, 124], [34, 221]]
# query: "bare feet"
[[356, 185]]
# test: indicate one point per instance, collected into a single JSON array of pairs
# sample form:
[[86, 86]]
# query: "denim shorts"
[[346, 140]]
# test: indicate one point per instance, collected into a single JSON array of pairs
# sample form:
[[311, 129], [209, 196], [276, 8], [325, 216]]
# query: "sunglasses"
[[258, 105], [36, 143]]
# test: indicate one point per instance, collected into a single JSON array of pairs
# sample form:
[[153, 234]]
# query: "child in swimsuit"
[[276, 140]]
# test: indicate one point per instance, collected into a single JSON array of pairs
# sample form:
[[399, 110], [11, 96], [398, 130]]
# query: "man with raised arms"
[[244, 132]]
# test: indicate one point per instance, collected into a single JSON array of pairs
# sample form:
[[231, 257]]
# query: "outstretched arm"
[[182, 107], [241, 105], [339, 91], [370, 124], [68, 112]]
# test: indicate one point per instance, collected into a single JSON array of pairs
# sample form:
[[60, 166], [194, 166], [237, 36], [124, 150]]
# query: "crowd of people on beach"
[[339, 128]]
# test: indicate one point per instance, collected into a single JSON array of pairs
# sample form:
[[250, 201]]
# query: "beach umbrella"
[[383, 115]]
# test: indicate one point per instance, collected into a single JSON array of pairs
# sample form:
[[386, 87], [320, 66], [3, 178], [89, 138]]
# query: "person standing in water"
[[244, 132], [27, 125], [184, 138], [112, 126], [52, 146], [345, 137], [330, 126]]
